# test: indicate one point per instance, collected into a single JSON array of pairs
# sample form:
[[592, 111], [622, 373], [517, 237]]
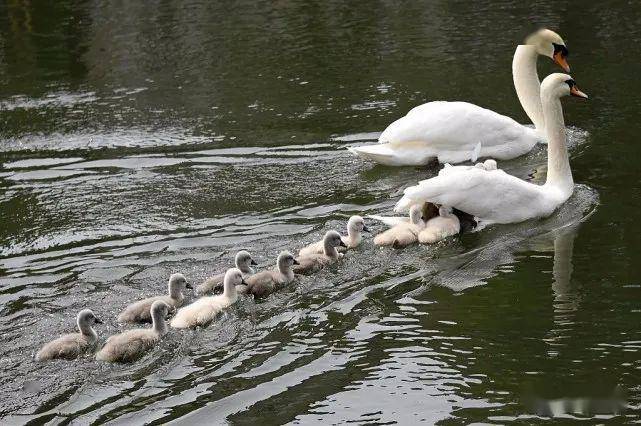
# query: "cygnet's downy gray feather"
[[71, 346], [244, 263], [355, 228], [316, 261], [265, 283], [141, 311], [132, 344]]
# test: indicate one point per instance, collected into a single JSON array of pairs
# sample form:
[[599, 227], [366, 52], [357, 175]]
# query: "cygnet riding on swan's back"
[[440, 227], [266, 282], [244, 263], [204, 310], [70, 346], [140, 311], [313, 262], [403, 233], [132, 344], [355, 227], [496, 197], [488, 164], [453, 132]]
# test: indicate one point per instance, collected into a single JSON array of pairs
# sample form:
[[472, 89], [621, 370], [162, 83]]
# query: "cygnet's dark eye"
[[570, 83]]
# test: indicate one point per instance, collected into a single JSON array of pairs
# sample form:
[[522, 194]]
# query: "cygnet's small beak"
[[561, 61], [342, 244], [253, 263], [365, 229], [243, 282], [574, 91], [188, 285], [296, 262], [97, 320]]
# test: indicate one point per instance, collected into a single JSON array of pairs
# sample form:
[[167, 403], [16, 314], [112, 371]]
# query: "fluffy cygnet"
[[244, 263], [205, 309], [72, 345], [487, 165], [440, 227], [316, 261], [404, 233], [355, 228], [132, 344], [391, 221], [266, 282], [141, 311]]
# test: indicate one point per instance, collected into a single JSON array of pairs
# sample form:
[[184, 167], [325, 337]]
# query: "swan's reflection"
[[566, 298]]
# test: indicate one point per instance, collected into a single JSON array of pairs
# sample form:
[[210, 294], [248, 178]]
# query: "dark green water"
[[139, 139]]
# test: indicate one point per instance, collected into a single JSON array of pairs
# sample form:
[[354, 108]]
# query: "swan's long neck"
[[528, 85], [86, 329], [158, 323], [559, 172]]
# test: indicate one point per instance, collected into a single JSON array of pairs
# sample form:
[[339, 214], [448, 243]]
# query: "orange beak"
[[561, 61], [574, 91]]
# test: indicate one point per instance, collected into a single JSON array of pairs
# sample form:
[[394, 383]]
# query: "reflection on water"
[[138, 140]]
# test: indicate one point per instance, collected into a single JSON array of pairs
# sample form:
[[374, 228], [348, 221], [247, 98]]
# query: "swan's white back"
[[493, 196]]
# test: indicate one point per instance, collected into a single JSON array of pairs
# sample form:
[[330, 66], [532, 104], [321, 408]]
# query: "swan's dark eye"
[[571, 83], [559, 48]]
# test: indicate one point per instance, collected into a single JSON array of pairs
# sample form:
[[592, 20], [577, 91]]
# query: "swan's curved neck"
[[158, 323], [528, 85], [86, 330], [559, 172]]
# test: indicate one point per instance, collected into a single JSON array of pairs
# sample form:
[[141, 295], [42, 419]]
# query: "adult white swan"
[[493, 196], [453, 132]]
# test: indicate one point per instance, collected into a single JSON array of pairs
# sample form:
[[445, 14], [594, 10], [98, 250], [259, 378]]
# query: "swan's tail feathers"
[[395, 154], [388, 220], [379, 153], [476, 152], [404, 204]]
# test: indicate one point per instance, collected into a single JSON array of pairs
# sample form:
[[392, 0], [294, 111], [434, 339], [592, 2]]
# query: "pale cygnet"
[[316, 261], [244, 263], [266, 282], [205, 309], [415, 216], [405, 233], [355, 228], [490, 164], [440, 227], [132, 344], [72, 345], [140, 311], [487, 165]]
